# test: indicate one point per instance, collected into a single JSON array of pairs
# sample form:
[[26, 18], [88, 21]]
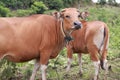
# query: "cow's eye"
[[79, 15], [67, 16]]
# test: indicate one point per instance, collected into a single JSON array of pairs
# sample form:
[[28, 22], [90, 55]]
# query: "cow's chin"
[[76, 27], [72, 29]]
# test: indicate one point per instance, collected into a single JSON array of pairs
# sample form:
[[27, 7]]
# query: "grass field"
[[56, 67]]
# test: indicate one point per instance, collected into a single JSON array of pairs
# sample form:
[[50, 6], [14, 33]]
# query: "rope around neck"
[[61, 27], [66, 36]]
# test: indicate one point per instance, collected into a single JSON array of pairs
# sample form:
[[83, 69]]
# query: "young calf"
[[93, 38]]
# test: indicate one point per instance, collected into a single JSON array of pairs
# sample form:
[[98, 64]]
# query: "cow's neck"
[[65, 34]]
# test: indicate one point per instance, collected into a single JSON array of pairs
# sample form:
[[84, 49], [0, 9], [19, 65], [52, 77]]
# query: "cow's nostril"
[[75, 23]]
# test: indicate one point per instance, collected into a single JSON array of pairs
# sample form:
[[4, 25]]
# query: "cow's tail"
[[104, 47]]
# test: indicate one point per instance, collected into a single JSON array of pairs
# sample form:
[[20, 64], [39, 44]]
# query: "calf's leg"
[[80, 62], [70, 56], [96, 62], [36, 67], [104, 63]]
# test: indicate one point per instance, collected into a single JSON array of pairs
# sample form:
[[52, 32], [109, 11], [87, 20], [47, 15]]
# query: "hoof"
[[110, 68]]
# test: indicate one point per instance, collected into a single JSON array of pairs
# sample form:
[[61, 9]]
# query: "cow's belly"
[[80, 49], [21, 57], [56, 51]]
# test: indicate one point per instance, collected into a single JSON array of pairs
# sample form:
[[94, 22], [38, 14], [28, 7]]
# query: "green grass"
[[56, 67]]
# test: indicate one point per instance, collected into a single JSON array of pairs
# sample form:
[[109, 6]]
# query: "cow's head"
[[69, 18]]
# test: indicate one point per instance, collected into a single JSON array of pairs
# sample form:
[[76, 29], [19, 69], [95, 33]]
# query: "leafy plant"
[[8, 70], [39, 7], [4, 11]]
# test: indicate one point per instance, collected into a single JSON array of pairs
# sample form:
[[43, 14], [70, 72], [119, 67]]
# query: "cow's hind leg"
[[104, 63], [96, 62], [36, 67]]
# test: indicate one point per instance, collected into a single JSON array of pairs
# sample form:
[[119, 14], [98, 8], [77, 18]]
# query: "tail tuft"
[[101, 64]]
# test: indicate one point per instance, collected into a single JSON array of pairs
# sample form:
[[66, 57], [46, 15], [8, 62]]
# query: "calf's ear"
[[56, 14], [84, 15]]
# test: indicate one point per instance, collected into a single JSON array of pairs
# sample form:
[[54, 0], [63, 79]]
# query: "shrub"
[[17, 4], [4, 11], [7, 70], [55, 4], [2, 4], [21, 12], [39, 7]]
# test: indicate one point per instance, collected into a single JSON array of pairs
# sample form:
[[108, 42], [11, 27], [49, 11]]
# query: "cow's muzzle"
[[77, 25]]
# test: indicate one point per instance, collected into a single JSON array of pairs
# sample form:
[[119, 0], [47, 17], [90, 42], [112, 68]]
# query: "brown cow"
[[39, 37], [92, 38]]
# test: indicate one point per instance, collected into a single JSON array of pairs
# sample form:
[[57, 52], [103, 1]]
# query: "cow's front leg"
[[44, 58], [69, 64], [43, 70], [69, 56], [36, 67]]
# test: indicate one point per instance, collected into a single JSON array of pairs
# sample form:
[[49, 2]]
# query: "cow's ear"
[[84, 15], [56, 14]]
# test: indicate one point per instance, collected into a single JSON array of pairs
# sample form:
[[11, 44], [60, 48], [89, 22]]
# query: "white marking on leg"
[[69, 64], [80, 62], [36, 67], [105, 65], [96, 65], [43, 69]]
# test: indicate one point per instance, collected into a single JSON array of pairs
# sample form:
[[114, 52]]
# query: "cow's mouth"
[[77, 27]]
